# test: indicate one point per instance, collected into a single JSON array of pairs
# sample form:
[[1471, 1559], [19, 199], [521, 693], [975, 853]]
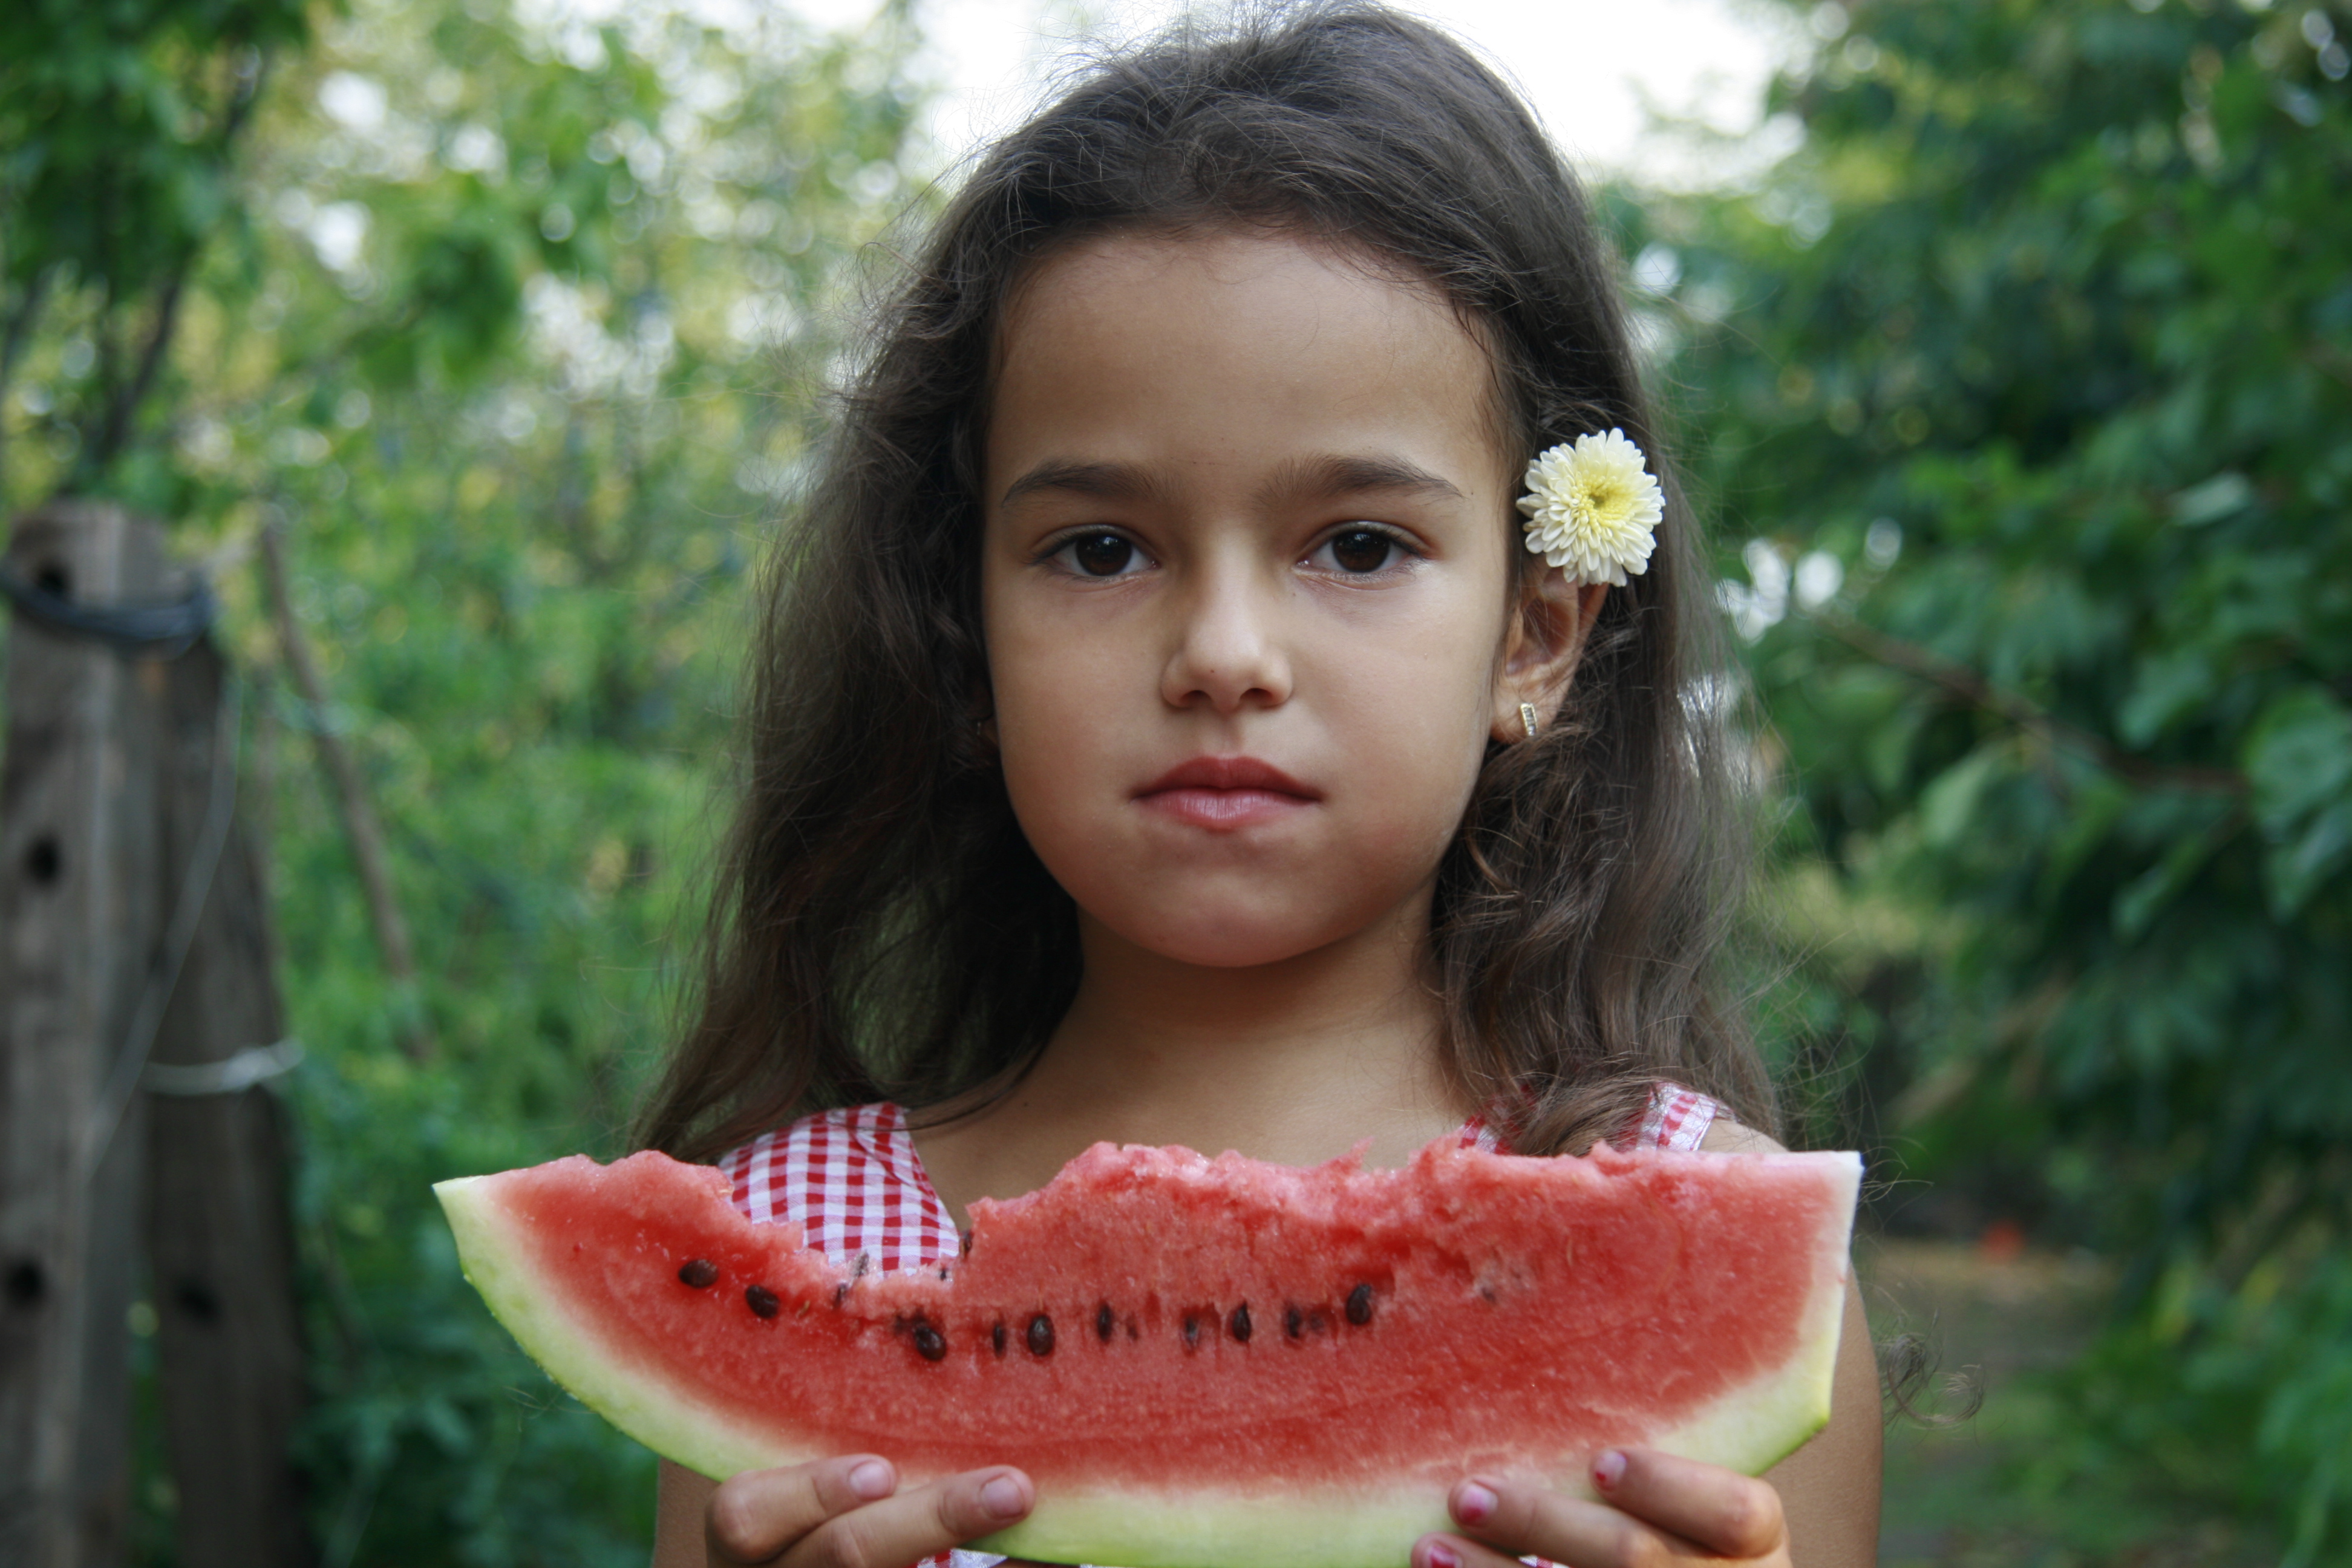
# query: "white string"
[[255, 1063]]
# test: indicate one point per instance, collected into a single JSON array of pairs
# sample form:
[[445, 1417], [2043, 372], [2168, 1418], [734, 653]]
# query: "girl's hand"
[[1661, 1513], [849, 1513]]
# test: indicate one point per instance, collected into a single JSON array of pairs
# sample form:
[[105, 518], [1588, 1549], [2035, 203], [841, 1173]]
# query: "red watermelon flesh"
[[1241, 1365]]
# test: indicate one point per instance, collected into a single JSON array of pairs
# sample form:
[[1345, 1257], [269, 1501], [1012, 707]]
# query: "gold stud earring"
[[1528, 718]]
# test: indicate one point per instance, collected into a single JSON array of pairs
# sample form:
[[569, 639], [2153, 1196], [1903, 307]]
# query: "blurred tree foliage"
[[510, 318], [119, 129], [2028, 382]]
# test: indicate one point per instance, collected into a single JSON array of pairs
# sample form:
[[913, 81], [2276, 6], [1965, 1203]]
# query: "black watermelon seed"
[[1239, 1323], [841, 1293], [1104, 1321], [930, 1343], [996, 1339], [698, 1272], [1041, 1335], [1192, 1332], [1293, 1322], [763, 1300], [1360, 1305]]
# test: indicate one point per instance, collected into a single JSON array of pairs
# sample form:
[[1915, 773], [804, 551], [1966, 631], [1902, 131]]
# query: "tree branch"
[[113, 433], [1975, 691], [360, 828], [20, 323], [12, 344], [114, 430]]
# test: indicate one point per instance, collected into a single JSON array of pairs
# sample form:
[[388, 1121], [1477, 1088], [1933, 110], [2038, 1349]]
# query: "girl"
[[1162, 733]]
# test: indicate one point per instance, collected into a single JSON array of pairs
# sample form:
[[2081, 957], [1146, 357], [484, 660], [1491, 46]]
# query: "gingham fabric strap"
[[1675, 1118], [853, 1181], [1678, 1118]]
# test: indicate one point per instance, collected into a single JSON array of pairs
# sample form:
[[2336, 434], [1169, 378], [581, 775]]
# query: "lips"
[[1230, 774], [1226, 792]]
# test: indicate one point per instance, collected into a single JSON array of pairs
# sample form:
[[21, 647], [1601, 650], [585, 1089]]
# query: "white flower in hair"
[[1592, 507]]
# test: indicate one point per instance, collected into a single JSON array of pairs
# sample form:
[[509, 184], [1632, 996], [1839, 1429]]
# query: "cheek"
[[1066, 700], [1388, 716], [1058, 737], [1409, 711]]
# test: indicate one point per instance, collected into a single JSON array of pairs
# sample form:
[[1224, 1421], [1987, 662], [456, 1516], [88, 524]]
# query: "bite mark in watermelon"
[[1202, 1363]]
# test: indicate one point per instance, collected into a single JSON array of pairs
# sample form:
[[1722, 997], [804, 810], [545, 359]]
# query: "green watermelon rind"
[[493, 1252], [1749, 1429]]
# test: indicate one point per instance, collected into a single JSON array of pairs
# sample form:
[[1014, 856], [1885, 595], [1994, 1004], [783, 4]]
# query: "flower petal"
[[1593, 508]]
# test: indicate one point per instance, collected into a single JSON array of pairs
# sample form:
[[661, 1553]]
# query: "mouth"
[[1226, 792]]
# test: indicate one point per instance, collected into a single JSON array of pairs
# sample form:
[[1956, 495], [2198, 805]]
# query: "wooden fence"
[[142, 1157]]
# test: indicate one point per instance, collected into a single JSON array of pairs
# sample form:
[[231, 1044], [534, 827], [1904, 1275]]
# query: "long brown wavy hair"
[[880, 927]]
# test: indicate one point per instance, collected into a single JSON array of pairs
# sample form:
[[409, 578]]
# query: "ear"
[[1540, 647]]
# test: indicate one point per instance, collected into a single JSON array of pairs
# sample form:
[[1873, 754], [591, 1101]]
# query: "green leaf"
[[1949, 807], [2149, 895], [2299, 758], [2298, 864], [2223, 495], [2167, 688]]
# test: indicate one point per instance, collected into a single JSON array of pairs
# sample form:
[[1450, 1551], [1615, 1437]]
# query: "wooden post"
[[220, 1235], [80, 912]]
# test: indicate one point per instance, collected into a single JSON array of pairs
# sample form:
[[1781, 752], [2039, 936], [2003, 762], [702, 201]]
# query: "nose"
[[1228, 652]]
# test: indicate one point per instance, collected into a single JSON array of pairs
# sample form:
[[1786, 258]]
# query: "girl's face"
[[1246, 589]]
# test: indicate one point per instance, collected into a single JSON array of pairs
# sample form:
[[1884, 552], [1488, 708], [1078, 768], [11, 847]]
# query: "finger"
[[1453, 1551], [913, 1524], [1736, 1515], [757, 1514], [1521, 1519]]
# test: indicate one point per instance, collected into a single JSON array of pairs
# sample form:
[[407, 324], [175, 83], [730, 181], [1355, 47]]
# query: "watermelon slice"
[[1202, 1363]]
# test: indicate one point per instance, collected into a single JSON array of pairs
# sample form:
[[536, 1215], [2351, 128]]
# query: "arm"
[[678, 1509], [1817, 1507], [1829, 1488]]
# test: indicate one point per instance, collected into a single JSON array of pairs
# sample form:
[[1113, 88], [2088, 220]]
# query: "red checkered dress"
[[853, 1180]]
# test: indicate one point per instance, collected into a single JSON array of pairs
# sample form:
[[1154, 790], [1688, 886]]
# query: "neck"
[[1294, 1060]]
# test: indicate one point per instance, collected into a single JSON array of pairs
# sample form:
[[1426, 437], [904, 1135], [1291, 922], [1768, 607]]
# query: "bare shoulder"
[[1725, 1136]]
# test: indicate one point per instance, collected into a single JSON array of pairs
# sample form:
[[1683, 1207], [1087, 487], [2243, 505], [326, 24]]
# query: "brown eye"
[[1101, 554], [1361, 550]]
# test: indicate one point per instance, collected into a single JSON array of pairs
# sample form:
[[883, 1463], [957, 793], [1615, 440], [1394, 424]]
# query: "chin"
[[1222, 952], [1222, 939]]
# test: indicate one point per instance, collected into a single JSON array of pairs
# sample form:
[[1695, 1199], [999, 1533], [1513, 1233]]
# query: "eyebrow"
[[1320, 479], [1329, 478], [1111, 481]]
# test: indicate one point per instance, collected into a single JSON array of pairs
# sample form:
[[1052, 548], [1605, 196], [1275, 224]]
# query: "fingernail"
[[1608, 1469], [1473, 1501], [871, 1479], [1437, 1554], [1002, 1497]]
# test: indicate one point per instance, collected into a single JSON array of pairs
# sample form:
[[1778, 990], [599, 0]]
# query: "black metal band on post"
[[160, 628]]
